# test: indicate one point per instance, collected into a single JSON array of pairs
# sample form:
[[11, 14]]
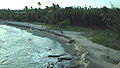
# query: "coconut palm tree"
[[39, 4]]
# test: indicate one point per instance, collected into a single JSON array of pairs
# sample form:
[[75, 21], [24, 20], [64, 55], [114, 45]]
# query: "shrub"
[[63, 24]]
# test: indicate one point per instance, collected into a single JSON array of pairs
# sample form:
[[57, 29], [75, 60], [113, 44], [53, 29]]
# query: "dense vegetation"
[[105, 18]]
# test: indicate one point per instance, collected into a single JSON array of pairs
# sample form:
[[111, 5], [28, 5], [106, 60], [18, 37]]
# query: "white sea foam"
[[19, 47]]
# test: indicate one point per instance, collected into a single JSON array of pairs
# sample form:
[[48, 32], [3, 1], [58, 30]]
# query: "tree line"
[[79, 16]]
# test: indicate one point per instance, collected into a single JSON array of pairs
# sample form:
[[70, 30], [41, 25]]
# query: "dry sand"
[[96, 53]]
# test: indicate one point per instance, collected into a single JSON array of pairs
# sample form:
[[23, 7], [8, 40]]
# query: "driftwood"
[[73, 66], [56, 55], [64, 58]]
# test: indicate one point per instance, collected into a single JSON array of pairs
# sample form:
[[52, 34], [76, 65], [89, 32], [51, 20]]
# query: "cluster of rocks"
[[79, 53]]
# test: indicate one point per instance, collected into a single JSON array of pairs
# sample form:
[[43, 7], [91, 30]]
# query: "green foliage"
[[115, 26], [63, 24], [54, 14], [105, 18], [102, 37]]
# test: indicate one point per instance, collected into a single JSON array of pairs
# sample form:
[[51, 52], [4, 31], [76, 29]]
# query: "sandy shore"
[[78, 53], [97, 54], [83, 49]]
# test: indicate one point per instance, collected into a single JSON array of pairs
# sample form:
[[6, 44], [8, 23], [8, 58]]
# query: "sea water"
[[21, 49]]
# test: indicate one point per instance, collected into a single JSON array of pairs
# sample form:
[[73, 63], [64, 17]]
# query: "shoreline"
[[87, 53], [78, 54]]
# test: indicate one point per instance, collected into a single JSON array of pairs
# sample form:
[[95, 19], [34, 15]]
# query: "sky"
[[20, 4]]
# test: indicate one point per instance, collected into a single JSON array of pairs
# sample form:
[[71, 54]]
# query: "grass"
[[68, 28], [99, 36], [102, 37]]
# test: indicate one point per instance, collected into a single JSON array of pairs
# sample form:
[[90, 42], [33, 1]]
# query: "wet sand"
[[70, 48], [96, 54]]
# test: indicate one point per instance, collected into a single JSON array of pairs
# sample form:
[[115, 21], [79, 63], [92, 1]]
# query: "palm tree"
[[31, 7], [27, 13], [26, 8], [106, 18], [39, 3]]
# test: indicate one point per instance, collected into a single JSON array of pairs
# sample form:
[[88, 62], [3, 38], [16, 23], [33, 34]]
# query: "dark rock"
[[71, 41], [64, 58], [49, 49], [74, 66]]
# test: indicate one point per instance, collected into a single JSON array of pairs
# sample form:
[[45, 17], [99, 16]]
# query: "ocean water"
[[21, 49]]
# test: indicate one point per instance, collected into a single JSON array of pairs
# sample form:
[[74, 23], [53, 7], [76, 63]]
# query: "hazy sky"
[[20, 4]]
